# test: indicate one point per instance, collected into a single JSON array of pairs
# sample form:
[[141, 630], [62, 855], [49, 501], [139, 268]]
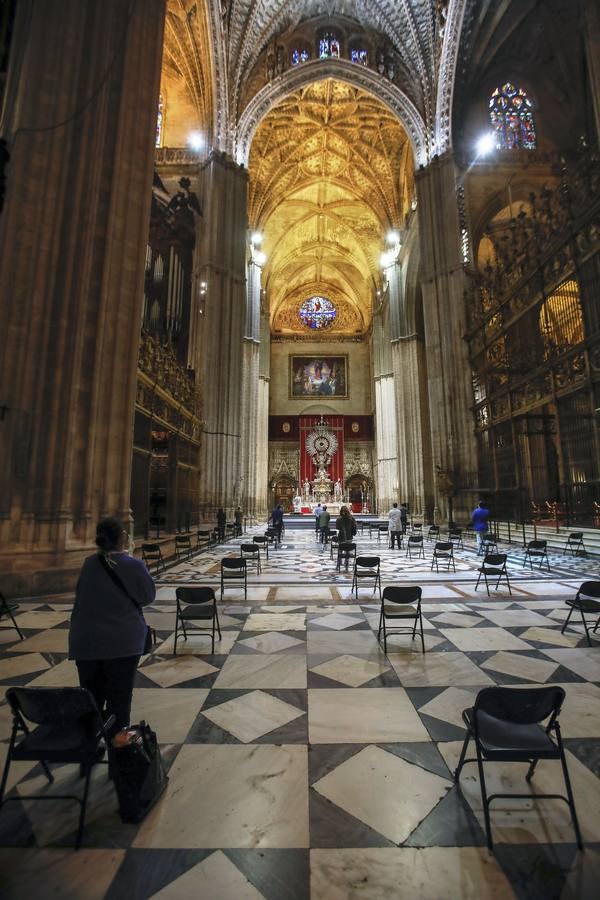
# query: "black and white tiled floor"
[[305, 763]]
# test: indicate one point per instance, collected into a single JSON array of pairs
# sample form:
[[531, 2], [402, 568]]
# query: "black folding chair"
[[488, 544], [234, 570], [506, 725], [196, 604], [366, 567], [536, 550], [346, 552], [434, 533], [334, 541], [414, 545], [443, 552], [455, 537], [382, 529], [251, 553], [68, 729], [574, 544], [152, 556], [493, 566], [401, 603], [262, 541], [204, 536], [183, 545], [585, 601], [6, 609]]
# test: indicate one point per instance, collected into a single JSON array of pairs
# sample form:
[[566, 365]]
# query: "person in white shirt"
[[395, 526]]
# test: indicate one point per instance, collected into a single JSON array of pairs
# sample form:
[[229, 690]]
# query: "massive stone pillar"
[[222, 258], [251, 388], [448, 369], [262, 436], [79, 120], [410, 382], [385, 417]]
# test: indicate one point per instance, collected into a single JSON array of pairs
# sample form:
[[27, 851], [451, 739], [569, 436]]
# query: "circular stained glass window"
[[317, 312]]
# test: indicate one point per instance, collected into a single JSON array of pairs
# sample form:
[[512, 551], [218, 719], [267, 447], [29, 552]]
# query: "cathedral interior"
[[293, 252]]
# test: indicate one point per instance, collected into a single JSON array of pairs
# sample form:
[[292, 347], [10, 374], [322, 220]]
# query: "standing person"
[[108, 633], [318, 511], [324, 524], [239, 520], [277, 520], [403, 515], [346, 529], [221, 522], [479, 517], [395, 526]]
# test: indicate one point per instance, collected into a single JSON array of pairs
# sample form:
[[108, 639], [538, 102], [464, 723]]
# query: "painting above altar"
[[322, 376]]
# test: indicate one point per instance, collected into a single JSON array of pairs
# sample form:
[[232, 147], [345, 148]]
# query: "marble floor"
[[303, 761]]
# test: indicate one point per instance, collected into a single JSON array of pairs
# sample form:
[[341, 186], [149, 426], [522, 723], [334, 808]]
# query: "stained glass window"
[[360, 56], [329, 46], [317, 312], [511, 117], [159, 121], [300, 56]]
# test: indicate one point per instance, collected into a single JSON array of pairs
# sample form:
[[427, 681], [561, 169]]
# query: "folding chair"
[[183, 545], [404, 603], [416, 527], [251, 552], [575, 544], [272, 537], [346, 552], [455, 537], [493, 566], [506, 725], [152, 555], [69, 730], [334, 540], [488, 544], [262, 541], [443, 552], [434, 533], [204, 536], [366, 567], [196, 604], [585, 601], [382, 529], [234, 570], [536, 550], [414, 544], [6, 609]]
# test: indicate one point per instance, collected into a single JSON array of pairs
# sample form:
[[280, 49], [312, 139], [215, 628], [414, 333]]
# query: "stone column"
[[386, 446], [449, 373], [592, 44], [251, 392], [81, 107], [222, 257], [262, 431]]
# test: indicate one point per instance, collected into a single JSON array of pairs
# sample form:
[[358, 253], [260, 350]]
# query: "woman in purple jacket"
[[108, 630]]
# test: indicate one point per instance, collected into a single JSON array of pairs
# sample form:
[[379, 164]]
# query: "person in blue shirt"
[[479, 517]]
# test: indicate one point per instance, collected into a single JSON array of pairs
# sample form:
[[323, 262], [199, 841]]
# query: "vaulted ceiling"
[[330, 173]]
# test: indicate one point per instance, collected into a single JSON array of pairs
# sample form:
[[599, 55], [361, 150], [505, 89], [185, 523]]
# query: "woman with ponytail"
[[108, 631]]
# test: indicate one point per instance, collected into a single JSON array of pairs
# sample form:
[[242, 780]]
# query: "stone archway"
[[343, 70]]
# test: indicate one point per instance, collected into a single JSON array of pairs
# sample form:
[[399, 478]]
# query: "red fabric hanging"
[[336, 467]]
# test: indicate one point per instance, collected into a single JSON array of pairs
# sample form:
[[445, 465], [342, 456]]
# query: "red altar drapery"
[[336, 468]]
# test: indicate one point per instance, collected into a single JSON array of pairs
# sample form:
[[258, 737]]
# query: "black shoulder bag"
[[115, 578]]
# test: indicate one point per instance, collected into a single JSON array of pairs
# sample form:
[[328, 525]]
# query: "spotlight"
[[260, 258], [485, 144], [393, 238], [256, 238], [195, 141]]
